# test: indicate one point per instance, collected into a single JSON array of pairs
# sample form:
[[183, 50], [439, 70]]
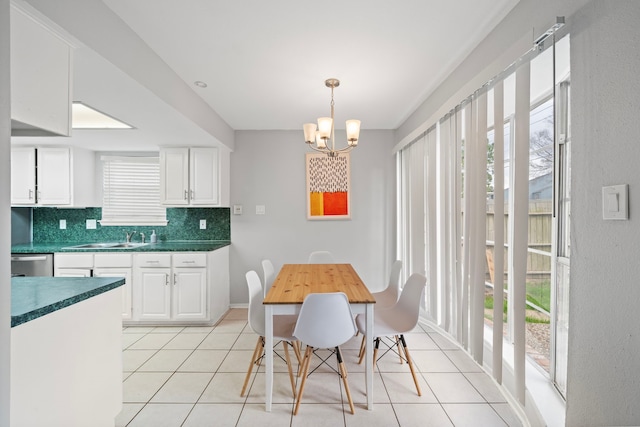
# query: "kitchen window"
[[131, 191]]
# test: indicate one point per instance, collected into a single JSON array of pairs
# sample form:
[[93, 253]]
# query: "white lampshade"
[[309, 132], [353, 131], [320, 143], [324, 127]]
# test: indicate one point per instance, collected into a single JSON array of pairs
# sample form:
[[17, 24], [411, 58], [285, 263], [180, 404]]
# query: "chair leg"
[[296, 350], [410, 363], [343, 374], [399, 348], [286, 355], [375, 353], [361, 353], [305, 371], [257, 352]]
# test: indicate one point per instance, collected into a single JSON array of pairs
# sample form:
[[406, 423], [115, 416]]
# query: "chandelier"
[[323, 135]]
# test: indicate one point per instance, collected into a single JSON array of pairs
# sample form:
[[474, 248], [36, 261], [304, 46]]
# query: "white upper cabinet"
[[40, 79], [52, 176], [23, 176], [189, 177]]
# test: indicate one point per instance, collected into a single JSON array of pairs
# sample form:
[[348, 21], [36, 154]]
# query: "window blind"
[[131, 191]]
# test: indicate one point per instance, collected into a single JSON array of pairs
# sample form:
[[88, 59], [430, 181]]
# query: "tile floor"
[[192, 376]]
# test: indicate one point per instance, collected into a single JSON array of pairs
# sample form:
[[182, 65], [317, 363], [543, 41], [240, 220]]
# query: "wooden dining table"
[[293, 283]]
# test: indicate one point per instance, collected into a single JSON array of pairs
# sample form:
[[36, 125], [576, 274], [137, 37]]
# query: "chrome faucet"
[[142, 237], [129, 236]]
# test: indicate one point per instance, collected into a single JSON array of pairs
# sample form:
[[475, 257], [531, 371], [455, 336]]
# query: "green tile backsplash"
[[184, 224]]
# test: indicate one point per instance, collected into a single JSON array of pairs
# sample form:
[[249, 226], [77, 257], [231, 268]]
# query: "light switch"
[[614, 202], [260, 210], [237, 209], [203, 224], [63, 224], [91, 224]]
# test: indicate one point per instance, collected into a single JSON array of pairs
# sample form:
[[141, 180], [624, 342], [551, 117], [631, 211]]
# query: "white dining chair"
[[321, 257], [397, 321], [325, 321], [388, 297], [283, 327], [268, 274]]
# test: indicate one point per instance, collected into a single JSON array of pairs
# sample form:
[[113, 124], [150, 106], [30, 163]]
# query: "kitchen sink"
[[114, 245], [129, 245]]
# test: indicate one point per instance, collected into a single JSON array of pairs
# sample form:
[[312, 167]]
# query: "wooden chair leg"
[[257, 352], [305, 363], [375, 353], [410, 363], [361, 353], [343, 374], [399, 349], [286, 355], [296, 350]]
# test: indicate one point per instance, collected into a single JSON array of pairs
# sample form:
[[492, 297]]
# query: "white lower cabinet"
[[160, 287], [105, 264], [170, 287]]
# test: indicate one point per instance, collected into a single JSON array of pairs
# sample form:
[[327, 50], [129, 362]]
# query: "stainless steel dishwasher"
[[32, 264]]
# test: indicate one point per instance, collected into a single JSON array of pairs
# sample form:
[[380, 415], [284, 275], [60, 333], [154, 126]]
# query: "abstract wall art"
[[328, 186]]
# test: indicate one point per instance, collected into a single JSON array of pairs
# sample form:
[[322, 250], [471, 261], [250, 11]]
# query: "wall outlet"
[[203, 224], [63, 224], [91, 224]]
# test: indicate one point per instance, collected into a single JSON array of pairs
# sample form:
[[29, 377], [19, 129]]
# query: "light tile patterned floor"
[[192, 377]]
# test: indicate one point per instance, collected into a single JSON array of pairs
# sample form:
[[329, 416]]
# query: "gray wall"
[[268, 168], [604, 343]]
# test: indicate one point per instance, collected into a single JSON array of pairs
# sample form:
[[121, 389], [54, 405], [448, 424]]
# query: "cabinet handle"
[[153, 262], [192, 195], [186, 194], [166, 276], [188, 262], [175, 279], [38, 195], [30, 194]]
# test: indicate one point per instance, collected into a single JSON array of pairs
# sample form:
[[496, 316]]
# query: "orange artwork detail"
[[335, 203], [316, 204]]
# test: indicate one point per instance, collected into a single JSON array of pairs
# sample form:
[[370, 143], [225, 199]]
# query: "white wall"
[[268, 168], [604, 343], [5, 215]]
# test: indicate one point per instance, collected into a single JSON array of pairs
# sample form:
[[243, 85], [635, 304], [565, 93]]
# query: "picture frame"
[[328, 186]]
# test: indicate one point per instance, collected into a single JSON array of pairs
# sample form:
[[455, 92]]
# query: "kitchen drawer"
[[113, 260], [64, 260], [191, 259], [153, 260]]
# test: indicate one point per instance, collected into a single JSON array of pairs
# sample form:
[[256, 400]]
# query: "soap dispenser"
[[154, 237]]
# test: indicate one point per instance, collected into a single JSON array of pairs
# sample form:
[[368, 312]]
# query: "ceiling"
[[265, 63]]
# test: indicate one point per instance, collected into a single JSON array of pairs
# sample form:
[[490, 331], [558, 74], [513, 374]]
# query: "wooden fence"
[[540, 234]]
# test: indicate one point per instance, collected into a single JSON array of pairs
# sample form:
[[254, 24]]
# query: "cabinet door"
[[73, 272], [154, 294], [174, 176], [23, 176], [189, 293], [126, 289], [203, 176], [54, 176], [40, 79]]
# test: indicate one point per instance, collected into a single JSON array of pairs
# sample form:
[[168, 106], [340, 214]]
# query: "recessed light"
[[200, 84]]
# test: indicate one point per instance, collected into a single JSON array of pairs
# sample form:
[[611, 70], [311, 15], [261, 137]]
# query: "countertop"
[[168, 246], [33, 297]]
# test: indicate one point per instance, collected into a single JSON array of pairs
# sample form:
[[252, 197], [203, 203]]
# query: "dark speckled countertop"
[[169, 246], [33, 297]]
